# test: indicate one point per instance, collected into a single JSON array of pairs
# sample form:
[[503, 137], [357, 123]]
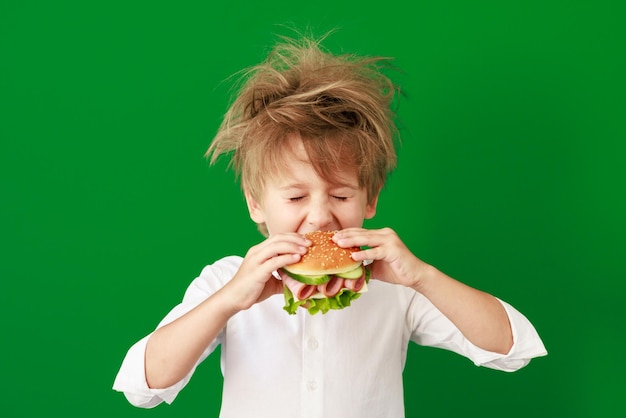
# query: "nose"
[[319, 216]]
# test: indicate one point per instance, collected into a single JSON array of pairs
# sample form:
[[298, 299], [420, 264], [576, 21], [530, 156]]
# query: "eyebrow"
[[293, 186], [339, 185], [336, 185]]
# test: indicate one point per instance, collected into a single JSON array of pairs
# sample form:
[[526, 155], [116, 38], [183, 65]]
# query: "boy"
[[312, 139]]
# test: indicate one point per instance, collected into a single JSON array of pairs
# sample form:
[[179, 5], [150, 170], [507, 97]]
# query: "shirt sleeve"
[[131, 378], [132, 382], [433, 329]]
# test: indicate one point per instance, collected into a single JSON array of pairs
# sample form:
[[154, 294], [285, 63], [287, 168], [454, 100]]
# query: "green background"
[[511, 179]]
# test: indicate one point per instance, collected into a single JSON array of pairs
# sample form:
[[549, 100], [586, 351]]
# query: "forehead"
[[296, 169], [294, 165], [301, 175]]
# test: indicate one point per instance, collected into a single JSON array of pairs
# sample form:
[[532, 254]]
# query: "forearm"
[[479, 316], [173, 350]]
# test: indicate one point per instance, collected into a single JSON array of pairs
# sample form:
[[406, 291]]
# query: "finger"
[[281, 248], [347, 233], [280, 261], [367, 254], [282, 244], [358, 238], [366, 237], [285, 243], [291, 237], [264, 269]]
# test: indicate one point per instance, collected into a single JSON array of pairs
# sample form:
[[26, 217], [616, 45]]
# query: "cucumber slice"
[[315, 280], [352, 274]]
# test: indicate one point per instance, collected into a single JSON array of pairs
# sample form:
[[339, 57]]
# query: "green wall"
[[511, 179]]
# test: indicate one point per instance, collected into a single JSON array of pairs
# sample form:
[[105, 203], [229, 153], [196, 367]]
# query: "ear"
[[254, 208], [370, 208]]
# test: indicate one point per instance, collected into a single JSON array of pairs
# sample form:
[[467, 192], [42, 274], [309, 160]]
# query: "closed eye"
[[296, 199], [340, 198]]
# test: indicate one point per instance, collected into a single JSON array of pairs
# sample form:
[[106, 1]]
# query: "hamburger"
[[325, 278]]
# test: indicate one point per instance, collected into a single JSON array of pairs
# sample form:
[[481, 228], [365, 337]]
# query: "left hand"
[[393, 261]]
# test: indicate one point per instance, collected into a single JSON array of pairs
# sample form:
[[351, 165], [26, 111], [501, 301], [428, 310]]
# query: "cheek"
[[283, 219], [351, 215]]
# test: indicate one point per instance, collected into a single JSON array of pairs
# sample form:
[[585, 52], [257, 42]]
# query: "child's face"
[[300, 201]]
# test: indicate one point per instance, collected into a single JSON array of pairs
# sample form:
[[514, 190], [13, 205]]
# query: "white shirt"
[[345, 363]]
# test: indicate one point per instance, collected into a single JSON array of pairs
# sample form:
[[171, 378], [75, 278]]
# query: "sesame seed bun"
[[324, 257]]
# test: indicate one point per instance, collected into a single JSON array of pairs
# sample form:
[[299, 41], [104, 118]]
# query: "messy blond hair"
[[340, 106]]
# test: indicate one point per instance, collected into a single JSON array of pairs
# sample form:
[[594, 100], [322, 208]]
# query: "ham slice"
[[356, 285], [300, 290], [331, 287]]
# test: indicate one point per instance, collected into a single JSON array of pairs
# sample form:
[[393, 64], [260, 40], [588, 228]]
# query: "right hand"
[[254, 281]]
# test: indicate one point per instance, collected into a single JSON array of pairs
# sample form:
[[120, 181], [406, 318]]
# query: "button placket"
[[313, 366]]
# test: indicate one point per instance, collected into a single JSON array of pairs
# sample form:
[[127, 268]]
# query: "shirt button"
[[311, 385], [313, 344]]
